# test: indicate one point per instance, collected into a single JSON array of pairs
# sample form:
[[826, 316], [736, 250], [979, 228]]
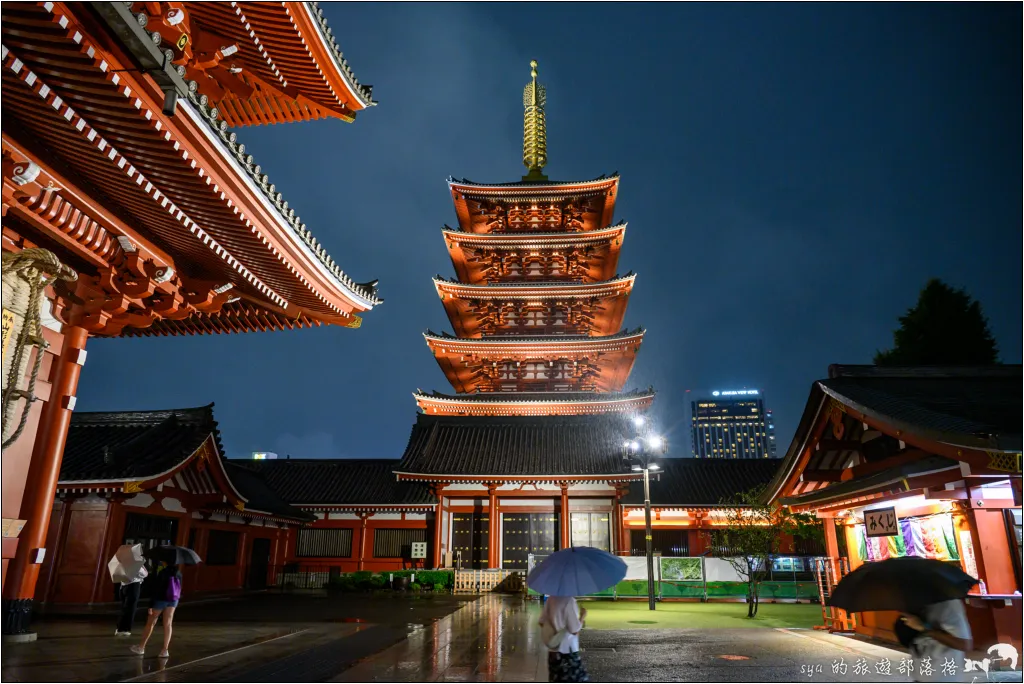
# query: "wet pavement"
[[266, 637], [441, 639]]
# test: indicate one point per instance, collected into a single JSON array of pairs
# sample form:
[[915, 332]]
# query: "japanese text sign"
[[881, 522]]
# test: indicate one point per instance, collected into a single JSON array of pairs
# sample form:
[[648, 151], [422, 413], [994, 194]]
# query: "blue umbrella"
[[578, 571]]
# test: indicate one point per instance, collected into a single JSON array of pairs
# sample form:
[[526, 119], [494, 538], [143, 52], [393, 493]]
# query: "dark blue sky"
[[792, 175]]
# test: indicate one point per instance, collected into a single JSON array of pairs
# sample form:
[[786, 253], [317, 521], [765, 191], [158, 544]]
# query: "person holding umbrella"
[[929, 595], [166, 593], [128, 568], [564, 575], [943, 634]]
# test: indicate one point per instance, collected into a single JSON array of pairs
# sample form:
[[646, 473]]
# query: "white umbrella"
[[127, 564]]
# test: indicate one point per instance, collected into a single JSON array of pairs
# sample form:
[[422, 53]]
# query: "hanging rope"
[[30, 265]]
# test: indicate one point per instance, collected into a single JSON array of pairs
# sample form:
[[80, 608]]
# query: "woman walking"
[[166, 593], [562, 619]]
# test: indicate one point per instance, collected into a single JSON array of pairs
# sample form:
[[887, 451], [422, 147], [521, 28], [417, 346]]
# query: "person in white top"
[[562, 618], [129, 592], [944, 637]]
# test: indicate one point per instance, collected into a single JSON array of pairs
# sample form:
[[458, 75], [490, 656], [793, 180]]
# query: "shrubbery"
[[437, 581]]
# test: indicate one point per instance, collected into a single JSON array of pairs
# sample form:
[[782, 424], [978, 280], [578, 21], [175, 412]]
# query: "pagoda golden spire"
[[535, 140]]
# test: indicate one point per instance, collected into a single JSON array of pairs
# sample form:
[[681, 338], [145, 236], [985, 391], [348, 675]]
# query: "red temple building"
[[131, 208], [936, 449]]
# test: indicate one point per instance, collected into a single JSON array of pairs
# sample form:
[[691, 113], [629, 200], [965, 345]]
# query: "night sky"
[[792, 175]]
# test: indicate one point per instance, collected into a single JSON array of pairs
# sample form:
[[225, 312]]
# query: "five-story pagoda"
[[538, 361]]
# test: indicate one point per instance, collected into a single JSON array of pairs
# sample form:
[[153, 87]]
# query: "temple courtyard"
[[316, 638]]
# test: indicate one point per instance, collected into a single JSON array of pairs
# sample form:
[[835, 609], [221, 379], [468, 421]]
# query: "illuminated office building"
[[732, 424]]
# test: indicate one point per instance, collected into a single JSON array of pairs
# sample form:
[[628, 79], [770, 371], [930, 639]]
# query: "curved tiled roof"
[[533, 185], [574, 289], [133, 445], [549, 339], [508, 447], [340, 482], [364, 93], [229, 140], [704, 481]]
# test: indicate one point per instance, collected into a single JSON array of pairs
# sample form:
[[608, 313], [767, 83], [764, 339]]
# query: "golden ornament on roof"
[[535, 141]]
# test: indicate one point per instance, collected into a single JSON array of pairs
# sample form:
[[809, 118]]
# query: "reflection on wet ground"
[[374, 639]]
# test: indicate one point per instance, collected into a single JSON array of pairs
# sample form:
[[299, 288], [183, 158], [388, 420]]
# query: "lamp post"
[[640, 451]]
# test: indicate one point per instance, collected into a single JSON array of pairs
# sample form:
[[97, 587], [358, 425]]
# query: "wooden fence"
[[483, 581]]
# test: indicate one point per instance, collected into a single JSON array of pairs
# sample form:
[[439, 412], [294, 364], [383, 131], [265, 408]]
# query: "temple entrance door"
[[259, 563], [469, 540], [591, 529], [526, 533], [150, 531]]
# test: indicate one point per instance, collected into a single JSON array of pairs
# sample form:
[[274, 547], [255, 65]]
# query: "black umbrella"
[[173, 555], [903, 584]]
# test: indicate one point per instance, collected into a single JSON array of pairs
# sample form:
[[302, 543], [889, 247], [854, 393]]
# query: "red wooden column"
[[41, 483], [564, 516], [493, 545], [992, 552], [621, 547], [832, 551], [438, 522]]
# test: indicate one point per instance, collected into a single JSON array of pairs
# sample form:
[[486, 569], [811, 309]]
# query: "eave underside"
[[557, 369], [507, 310], [41, 122], [539, 259], [533, 403], [572, 207]]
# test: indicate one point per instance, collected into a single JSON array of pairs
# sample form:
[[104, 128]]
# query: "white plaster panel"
[[270, 523], [170, 504], [218, 517], [461, 486], [320, 516], [415, 516], [386, 516], [142, 500], [236, 520], [601, 487], [196, 515], [468, 502], [527, 502], [342, 516]]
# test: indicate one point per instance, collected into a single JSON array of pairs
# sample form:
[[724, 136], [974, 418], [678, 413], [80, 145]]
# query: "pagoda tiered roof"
[[584, 363], [533, 403], [589, 308], [548, 206], [478, 257], [127, 193], [517, 449]]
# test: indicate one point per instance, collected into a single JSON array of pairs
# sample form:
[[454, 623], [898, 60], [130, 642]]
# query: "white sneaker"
[[121, 634], [137, 650], [164, 654]]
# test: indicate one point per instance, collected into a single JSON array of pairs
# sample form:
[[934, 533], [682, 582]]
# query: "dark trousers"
[[129, 602]]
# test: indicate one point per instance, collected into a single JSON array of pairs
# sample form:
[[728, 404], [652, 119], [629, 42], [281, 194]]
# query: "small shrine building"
[[916, 461], [131, 208]]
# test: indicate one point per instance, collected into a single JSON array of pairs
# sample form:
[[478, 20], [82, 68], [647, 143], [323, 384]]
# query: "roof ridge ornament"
[[535, 141]]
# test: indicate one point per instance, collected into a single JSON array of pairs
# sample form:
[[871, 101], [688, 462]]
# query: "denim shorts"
[[160, 604]]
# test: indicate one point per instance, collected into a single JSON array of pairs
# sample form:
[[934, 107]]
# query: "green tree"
[[945, 328], [752, 534]]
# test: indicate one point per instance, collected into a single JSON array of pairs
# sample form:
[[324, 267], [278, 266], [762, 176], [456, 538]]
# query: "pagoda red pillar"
[[41, 483], [362, 540], [617, 525], [493, 545], [564, 517], [438, 522]]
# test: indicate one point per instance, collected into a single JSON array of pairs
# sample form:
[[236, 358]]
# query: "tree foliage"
[[945, 328], [752, 534]]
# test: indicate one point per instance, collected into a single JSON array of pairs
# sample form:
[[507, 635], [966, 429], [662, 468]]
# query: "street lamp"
[[640, 452]]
